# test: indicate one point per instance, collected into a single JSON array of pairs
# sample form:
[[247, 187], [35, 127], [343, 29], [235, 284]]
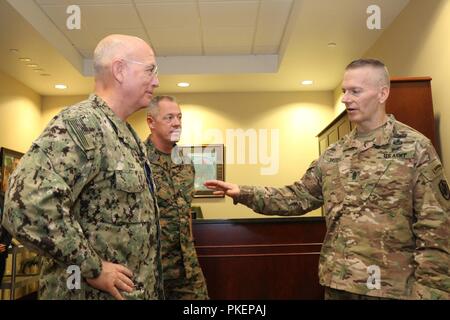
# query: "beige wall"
[[20, 109], [338, 105], [298, 117], [51, 105], [417, 44]]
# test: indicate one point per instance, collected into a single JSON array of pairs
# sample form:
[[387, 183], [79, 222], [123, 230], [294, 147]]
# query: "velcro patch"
[[82, 132], [443, 187], [398, 155]]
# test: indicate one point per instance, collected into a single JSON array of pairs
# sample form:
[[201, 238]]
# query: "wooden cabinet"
[[264, 258], [409, 101], [334, 131]]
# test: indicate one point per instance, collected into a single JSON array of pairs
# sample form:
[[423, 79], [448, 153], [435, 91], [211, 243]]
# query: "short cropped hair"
[[374, 63], [153, 107]]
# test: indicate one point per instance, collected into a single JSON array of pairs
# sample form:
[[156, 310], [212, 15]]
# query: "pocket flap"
[[130, 180]]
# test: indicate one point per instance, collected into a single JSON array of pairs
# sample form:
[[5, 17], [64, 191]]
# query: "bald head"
[[114, 47]]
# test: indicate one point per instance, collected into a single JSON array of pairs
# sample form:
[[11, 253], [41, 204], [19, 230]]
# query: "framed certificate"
[[9, 160], [209, 163]]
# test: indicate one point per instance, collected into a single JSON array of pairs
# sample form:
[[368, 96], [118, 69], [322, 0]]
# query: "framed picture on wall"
[[209, 163], [9, 159]]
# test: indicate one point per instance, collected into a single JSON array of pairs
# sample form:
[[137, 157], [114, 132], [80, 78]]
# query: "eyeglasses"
[[152, 69]]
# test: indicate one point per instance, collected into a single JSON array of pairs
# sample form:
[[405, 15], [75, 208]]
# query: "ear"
[[117, 70], [150, 122], [384, 94]]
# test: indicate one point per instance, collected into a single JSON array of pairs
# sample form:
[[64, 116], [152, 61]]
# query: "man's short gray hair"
[[374, 63], [153, 107]]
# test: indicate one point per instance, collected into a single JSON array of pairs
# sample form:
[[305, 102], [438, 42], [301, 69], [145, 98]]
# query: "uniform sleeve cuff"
[[427, 293], [246, 194], [91, 267]]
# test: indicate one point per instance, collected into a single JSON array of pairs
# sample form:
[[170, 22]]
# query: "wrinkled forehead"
[[168, 107]]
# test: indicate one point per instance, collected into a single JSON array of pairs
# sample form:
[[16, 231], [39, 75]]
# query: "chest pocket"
[[184, 182], [133, 203], [130, 181], [390, 188]]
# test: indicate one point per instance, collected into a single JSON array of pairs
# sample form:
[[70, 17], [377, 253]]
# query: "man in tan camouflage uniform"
[[174, 179], [83, 196], [386, 201]]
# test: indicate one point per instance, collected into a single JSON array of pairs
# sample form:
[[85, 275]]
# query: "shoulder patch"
[[82, 129], [433, 171], [443, 187]]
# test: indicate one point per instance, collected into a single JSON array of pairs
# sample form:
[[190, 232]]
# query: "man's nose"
[[176, 122], [155, 81], [345, 98]]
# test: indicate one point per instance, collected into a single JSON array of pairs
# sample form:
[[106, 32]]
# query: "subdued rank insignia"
[[397, 142], [443, 186]]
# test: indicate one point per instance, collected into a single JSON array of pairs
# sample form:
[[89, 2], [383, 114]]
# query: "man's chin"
[[175, 137], [353, 117]]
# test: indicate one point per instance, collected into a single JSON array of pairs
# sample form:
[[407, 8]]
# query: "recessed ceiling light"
[[25, 59], [14, 51], [38, 70], [183, 84], [307, 82], [32, 65], [60, 86], [331, 44]]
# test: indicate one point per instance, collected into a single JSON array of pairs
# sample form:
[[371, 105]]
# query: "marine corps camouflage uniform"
[[183, 276], [386, 205], [80, 195]]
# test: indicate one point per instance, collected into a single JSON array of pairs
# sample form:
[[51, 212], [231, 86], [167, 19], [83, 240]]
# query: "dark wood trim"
[[318, 219], [265, 258], [332, 123], [261, 245], [410, 79], [258, 255]]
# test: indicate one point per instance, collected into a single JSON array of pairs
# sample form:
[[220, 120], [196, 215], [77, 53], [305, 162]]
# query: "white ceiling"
[[216, 45], [178, 28]]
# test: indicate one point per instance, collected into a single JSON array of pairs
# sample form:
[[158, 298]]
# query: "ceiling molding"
[[208, 65], [41, 22]]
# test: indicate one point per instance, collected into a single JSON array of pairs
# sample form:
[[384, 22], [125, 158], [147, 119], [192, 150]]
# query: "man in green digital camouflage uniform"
[[174, 179], [386, 201], [5, 240], [82, 195]]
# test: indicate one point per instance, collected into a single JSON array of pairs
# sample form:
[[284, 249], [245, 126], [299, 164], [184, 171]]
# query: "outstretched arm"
[[223, 188], [296, 199]]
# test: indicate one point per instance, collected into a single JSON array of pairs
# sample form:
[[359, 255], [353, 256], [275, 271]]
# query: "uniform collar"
[[153, 153], [382, 137], [122, 128], [156, 156]]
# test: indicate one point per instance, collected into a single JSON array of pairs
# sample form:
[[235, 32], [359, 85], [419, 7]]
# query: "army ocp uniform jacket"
[[387, 210]]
